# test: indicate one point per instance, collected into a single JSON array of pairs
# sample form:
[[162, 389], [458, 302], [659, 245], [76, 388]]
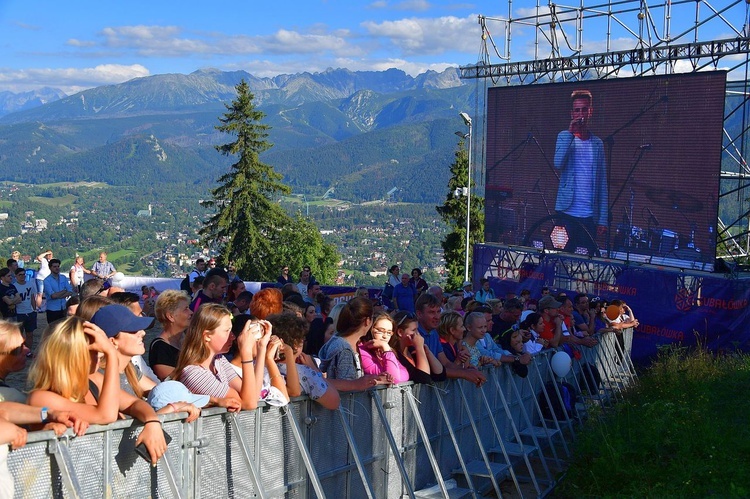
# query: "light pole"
[[467, 122]]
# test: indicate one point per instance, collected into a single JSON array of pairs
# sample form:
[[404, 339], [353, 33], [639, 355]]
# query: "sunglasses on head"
[[407, 316]]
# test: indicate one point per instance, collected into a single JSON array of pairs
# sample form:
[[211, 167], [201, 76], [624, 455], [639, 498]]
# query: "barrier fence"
[[372, 446]]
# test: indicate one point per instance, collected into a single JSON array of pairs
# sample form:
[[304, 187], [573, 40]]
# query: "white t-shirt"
[[268, 393], [27, 292], [43, 269], [7, 485], [78, 272]]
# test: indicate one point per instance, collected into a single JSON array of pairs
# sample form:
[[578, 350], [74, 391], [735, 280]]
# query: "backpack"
[[185, 284], [563, 409]]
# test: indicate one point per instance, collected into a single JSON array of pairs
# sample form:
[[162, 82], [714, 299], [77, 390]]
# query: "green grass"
[[6, 204], [58, 201], [684, 432]]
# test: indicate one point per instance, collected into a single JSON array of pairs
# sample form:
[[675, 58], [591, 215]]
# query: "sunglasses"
[[407, 316]]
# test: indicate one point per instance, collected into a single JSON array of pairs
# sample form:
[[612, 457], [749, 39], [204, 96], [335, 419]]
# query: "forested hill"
[[359, 132]]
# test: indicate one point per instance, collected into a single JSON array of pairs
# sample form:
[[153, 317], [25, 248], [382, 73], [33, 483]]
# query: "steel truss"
[[579, 274], [641, 38]]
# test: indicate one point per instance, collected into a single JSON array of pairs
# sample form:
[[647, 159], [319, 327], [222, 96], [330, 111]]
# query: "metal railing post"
[[254, 475], [64, 462], [392, 441], [426, 440], [355, 454], [312, 473]]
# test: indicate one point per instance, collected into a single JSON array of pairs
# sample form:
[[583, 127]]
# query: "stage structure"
[[664, 89]]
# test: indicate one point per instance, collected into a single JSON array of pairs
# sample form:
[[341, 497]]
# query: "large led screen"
[[621, 168]]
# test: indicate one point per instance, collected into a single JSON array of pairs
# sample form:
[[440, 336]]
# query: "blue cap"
[[170, 392], [114, 319]]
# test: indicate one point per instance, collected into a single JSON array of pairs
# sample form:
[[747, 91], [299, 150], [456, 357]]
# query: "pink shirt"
[[385, 363]]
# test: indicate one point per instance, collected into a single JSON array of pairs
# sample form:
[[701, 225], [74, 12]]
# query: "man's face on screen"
[[581, 109]]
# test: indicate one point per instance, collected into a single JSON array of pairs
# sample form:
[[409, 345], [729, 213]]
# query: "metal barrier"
[[374, 446]]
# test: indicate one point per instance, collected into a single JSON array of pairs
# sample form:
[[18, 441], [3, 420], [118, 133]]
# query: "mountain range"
[[359, 132]]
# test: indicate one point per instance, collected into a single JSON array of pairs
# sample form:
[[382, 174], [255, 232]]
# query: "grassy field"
[[684, 432], [5, 204], [59, 201]]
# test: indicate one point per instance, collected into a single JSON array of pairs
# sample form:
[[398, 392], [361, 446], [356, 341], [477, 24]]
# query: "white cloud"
[[286, 42], [29, 27], [428, 35], [74, 42], [172, 41], [153, 40], [70, 80]]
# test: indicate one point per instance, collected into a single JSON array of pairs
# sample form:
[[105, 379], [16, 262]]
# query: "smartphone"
[[256, 330], [142, 451]]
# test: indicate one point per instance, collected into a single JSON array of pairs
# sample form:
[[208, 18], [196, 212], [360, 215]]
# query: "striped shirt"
[[202, 381]]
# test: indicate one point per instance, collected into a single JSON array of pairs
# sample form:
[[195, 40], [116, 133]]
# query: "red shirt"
[[549, 331]]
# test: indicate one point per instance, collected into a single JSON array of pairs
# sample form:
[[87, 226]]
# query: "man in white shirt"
[[27, 307]]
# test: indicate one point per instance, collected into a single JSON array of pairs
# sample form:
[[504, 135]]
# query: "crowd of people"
[[224, 346]]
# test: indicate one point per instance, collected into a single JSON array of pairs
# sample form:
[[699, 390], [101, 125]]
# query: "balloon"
[[561, 364], [613, 312], [119, 276]]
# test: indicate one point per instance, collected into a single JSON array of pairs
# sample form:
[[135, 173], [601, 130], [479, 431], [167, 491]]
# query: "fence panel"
[[208, 458]]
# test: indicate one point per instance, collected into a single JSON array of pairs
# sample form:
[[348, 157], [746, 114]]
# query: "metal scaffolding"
[[623, 38]]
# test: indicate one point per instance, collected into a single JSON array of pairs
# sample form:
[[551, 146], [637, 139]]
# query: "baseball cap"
[[548, 301], [466, 283], [114, 319], [170, 392], [525, 314]]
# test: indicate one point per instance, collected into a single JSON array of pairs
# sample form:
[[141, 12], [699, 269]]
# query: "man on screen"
[[582, 195]]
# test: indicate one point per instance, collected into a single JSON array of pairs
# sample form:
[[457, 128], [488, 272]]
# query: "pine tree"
[[453, 213], [249, 226]]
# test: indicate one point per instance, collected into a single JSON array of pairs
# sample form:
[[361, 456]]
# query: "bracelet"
[[174, 407], [152, 421], [275, 376], [247, 361]]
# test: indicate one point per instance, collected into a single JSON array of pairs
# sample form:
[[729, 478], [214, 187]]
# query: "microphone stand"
[[609, 141]]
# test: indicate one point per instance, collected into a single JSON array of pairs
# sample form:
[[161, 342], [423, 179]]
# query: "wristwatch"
[[44, 414]]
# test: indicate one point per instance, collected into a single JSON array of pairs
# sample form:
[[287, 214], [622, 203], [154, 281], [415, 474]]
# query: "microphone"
[[644, 146], [580, 121], [653, 217]]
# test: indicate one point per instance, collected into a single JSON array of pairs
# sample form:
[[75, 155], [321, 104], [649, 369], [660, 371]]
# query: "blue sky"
[[81, 44]]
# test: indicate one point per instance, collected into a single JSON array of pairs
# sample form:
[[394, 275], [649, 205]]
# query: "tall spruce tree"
[[453, 213], [249, 226]]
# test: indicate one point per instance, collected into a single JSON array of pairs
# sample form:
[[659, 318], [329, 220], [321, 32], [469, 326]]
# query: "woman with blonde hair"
[[131, 380], [451, 331], [126, 331], [173, 312], [205, 371], [60, 380], [13, 358], [13, 406]]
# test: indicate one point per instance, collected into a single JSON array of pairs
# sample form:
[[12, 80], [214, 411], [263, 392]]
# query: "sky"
[[82, 44]]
